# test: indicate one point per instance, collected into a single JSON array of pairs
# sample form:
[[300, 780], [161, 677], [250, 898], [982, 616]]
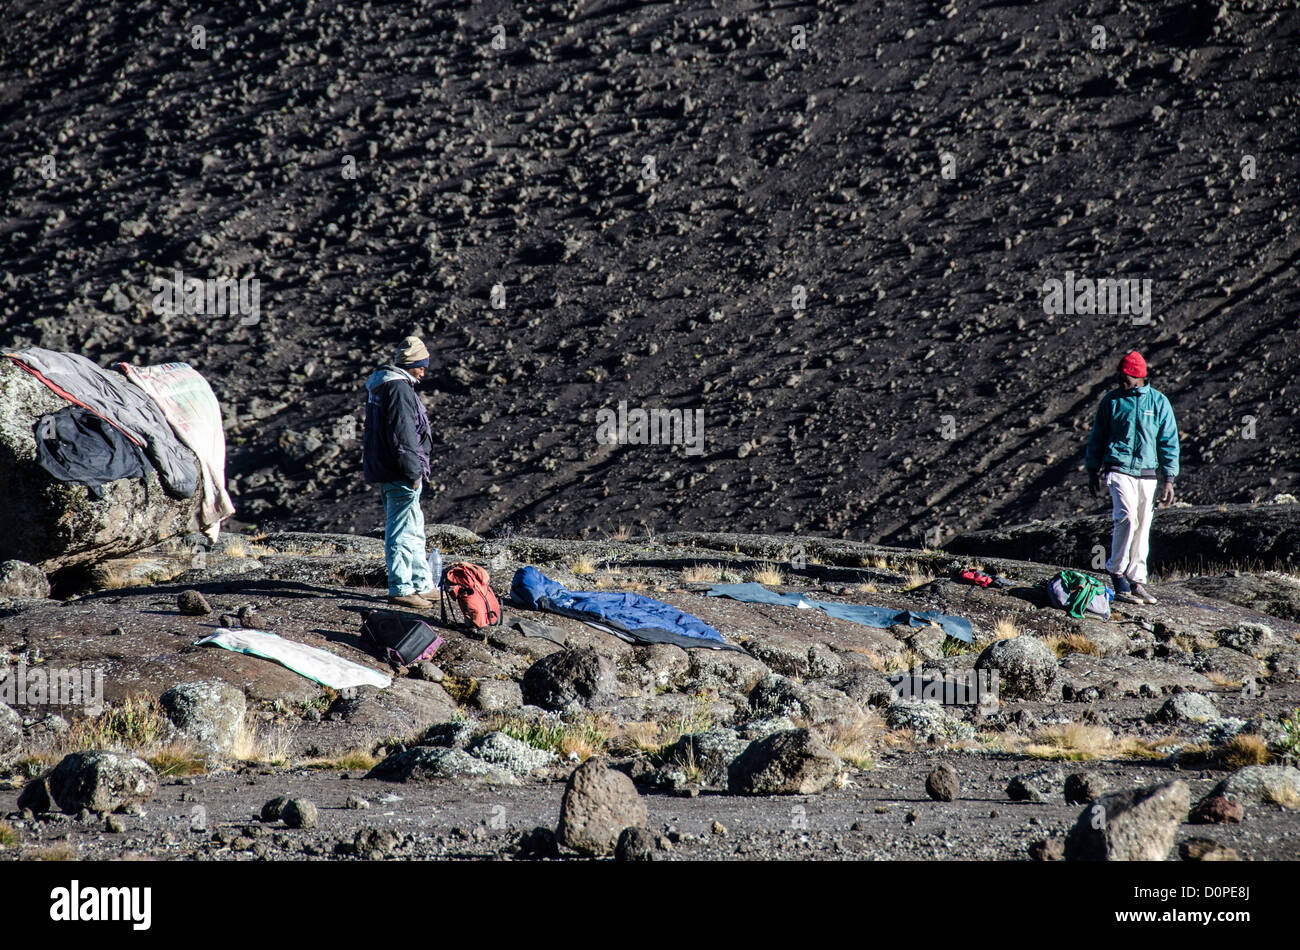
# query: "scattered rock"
[[455, 734], [636, 844], [193, 603], [598, 804], [1081, 788], [1206, 849], [1263, 784], [794, 762], [35, 797], [538, 845], [711, 752], [1133, 825], [209, 713], [374, 844], [577, 677], [11, 735], [1038, 786], [1027, 668], [300, 813], [1187, 707], [942, 784], [497, 695], [424, 762], [1216, 809], [928, 721], [274, 809], [101, 781], [1048, 849]]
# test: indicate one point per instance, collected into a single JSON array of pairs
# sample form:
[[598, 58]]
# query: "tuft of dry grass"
[[354, 760], [769, 574], [1218, 679], [582, 566], [1242, 750], [864, 588], [252, 746], [917, 578], [621, 533], [852, 739], [139, 723], [54, 852], [1005, 629], [702, 574], [1063, 646], [1079, 742], [174, 759], [8, 835]]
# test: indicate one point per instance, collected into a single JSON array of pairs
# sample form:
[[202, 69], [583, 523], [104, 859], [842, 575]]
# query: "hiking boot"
[[1123, 592], [1143, 595], [431, 594], [411, 600]]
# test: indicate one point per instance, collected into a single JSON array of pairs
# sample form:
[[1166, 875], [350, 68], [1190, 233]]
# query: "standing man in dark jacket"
[[398, 442], [1134, 441]]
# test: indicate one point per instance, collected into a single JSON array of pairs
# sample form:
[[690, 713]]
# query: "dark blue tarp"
[[642, 618], [957, 627]]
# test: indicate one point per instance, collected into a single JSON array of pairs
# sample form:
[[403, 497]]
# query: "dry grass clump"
[[769, 574], [702, 574], [916, 578], [1242, 750], [353, 760], [1063, 646], [1080, 742], [54, 852], [852, 739], [582, 566], [176, 759], [621, 533], [8, 835]]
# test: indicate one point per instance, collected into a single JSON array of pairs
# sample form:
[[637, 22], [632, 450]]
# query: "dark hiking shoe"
[[1123, 592], [431, 594], [411, 600], [1143, 595]]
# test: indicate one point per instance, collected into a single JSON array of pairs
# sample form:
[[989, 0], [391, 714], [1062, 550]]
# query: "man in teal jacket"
[[1134, 442]]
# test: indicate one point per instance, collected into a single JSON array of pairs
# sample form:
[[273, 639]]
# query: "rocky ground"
[[796, 747], [921, 389]]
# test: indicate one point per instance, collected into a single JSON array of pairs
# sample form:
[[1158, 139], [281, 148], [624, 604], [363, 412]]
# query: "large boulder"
[[208, 713], [55, 525], [1026, 668], [598, 804], [427, 762], [101, 781], [1134, 825], [578, 677], [793, 762]]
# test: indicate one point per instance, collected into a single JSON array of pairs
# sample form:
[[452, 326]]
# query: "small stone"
[[1048, 849], [942, 784], [354, 802], [1206, 849], [719, 829], [193, 603], [636, 844], [274, 809], [1084, 787], [300, 813], [114, 825], [1215, 809]]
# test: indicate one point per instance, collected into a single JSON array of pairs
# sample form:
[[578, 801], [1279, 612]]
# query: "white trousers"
[[1133, 501]]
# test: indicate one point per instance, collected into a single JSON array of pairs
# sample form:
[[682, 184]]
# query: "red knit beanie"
[[1133, 365]]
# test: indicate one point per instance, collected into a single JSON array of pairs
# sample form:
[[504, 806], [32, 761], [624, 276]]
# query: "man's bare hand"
[[1167, 494]]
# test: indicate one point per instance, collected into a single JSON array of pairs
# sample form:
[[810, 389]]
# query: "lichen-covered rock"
[[795, 762], [711, 752], [209, 713], [427, 762], [53, 524], [1263, 784], [1027, 668], [495, 695], [599, 802], [20, 579], [511, 754], [11, 735], [928, 721], [100, 781], [300, 813], [1187, 707], [1040, 785], [1134, 825]]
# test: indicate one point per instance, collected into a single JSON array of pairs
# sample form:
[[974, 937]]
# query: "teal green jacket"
[[1135, 432]]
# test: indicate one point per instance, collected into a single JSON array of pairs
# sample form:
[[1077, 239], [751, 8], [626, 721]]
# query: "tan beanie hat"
[[412, 350]]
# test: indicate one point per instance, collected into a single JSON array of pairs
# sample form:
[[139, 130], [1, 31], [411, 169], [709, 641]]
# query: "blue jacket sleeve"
[[1167, 441], [1099, 438], [402, 407]]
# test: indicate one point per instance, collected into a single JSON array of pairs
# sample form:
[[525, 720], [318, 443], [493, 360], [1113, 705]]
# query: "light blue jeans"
[[408, 571]]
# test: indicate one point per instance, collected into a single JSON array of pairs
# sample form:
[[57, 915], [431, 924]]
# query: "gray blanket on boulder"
[[114, 398]]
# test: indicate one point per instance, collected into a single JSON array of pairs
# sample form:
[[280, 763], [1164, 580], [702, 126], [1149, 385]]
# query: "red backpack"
[[468, 585]]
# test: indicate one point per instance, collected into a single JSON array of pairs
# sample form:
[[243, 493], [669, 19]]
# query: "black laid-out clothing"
[[75, 445]]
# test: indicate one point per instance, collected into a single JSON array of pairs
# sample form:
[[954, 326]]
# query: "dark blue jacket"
[[398, 439]]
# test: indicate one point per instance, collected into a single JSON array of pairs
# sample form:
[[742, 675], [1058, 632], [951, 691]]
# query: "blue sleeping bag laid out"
[[631, 616], [957, 627]]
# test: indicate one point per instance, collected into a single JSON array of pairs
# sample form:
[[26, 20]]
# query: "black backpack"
[[400, 638]]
